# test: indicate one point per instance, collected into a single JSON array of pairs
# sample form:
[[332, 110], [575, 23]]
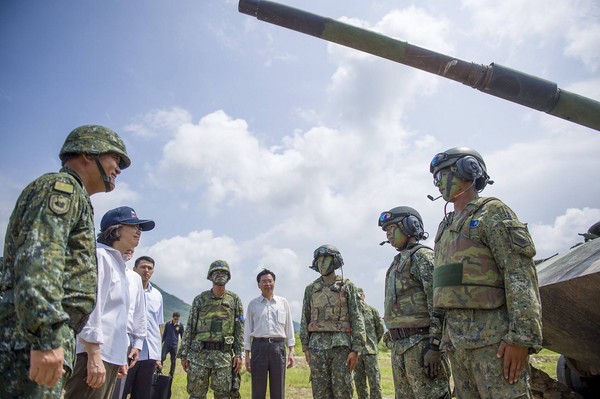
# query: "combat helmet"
[[468, 163], [327, 249], [407, 218], [218, 265], [95, 140]]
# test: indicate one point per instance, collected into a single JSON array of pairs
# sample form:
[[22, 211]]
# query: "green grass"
[[297, 378]]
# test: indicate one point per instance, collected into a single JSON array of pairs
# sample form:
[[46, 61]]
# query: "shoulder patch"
[[474, 223], [59, 204], [63, 187]]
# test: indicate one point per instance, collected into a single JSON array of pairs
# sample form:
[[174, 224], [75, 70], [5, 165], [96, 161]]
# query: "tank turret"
[[497, 80]]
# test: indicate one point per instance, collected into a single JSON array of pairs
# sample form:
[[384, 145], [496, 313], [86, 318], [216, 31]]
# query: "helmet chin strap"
[[109, 183]]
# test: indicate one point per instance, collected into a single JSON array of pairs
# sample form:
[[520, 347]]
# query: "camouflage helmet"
[[407, 218], [328, 249], [218, 265], [96, 140], [468, 163]]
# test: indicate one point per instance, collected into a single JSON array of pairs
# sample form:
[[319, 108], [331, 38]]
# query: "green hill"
[[173, 304]]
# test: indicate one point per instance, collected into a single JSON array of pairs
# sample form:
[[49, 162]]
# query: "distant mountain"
[[173, 304]]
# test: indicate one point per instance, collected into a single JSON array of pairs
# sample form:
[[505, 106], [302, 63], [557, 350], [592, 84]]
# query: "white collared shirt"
[[154, 306], [269, 319], [107, 324], [137, 319]]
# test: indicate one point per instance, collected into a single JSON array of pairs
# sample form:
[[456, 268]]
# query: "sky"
[[256, 144]]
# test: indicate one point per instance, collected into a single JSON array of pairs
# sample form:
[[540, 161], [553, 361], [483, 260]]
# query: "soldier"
[[48, 279], [332, 330], [367, 366], [485, 279], [214, 331], [414, 329]]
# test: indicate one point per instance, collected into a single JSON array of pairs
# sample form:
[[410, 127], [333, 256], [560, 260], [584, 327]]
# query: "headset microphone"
[[433, 199], [384, 242]]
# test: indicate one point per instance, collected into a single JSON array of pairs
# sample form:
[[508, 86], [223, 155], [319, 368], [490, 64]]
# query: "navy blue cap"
[[124, 215]]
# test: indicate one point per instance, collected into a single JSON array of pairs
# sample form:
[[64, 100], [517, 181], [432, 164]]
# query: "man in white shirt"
[[102, 343], [139, 377], [269, 329]]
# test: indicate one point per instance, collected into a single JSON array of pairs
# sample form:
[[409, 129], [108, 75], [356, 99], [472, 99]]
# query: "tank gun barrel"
[[497, 80]]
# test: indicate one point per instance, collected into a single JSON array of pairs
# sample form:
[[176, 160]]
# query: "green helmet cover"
[[95, 140], [218, 265]]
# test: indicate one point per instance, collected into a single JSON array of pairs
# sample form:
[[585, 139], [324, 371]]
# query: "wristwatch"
[[434, 341]]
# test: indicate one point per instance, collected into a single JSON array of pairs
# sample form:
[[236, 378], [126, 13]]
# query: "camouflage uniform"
[[48, 279], [328, 340], [213, 323], [494, 298], [409, 308], [368, 364]]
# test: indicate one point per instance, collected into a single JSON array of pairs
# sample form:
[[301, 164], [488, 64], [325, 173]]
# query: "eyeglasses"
[[440, 174]]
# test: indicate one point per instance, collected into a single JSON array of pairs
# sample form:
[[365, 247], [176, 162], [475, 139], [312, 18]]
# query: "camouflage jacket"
[[49, 273], [373, 329], [518, 320], [355, 340], [212, 319]]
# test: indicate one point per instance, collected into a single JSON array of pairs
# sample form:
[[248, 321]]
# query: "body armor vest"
[[216, 317], [405, 303], [329, 308], [466, 275]]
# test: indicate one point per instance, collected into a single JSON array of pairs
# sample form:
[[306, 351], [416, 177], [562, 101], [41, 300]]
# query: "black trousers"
[[172, 351], [139, 379], [268, 359]]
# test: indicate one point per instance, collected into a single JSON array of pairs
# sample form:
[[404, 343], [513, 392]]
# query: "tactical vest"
[[216, 317], [405, 303], [329, 308], [466, 275]]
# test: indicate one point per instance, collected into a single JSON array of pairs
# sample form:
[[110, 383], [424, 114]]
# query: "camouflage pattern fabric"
[[328, 340], [476, 372], [367, 368], [48, 278], [496, 226], [410, 381], [329, 376], [206, 319]]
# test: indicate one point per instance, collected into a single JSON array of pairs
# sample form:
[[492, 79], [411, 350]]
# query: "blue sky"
[[256, 144]]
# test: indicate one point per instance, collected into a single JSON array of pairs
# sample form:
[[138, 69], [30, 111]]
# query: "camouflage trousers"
[[329, 375], [210, 367], [478, 373], [14, 370], [410, 380], [367, 368]]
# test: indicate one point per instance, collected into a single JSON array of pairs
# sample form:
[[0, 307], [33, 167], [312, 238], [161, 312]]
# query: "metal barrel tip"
[[249, 7]]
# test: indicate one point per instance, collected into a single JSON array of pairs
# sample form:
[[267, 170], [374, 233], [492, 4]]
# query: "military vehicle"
[[570, 283], [494, 79]]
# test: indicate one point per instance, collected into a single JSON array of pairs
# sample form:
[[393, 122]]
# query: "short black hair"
[[176, 314], [141, 258], [264, 272]]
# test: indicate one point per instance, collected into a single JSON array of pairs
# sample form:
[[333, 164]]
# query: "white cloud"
[[153, 123]]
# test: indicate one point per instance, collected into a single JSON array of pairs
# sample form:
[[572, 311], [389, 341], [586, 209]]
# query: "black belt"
[[400, 333], [212, 346], [269, 339]]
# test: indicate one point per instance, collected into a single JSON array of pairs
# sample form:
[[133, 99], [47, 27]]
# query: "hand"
[[133, 356], [185, 364], [248, 365], [351, 360], [237, 364], [515, 357], [122, 371], [96, 373], [432, 360], [46, 366], [159, 365], [291, 360]]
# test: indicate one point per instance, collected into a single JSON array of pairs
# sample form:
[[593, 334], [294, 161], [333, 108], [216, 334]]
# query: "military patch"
[[474, 223], [64, 187], [59, 204]]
